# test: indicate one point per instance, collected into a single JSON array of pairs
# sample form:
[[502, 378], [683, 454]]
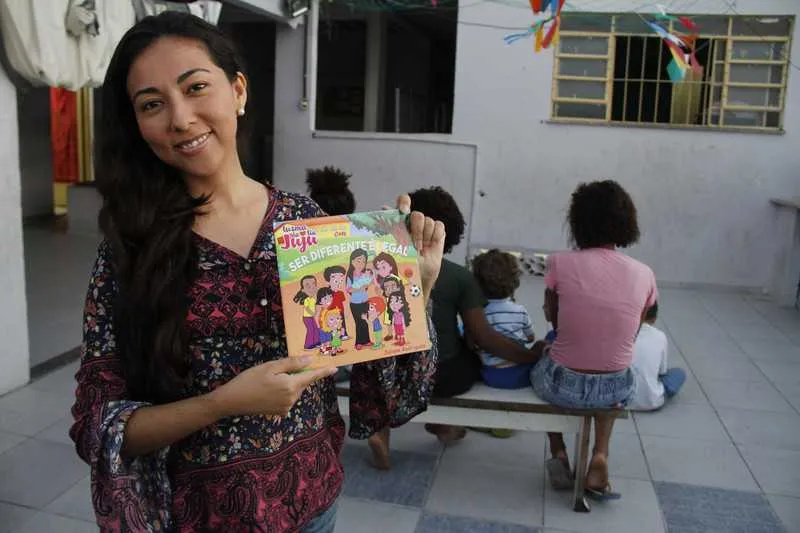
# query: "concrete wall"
[[703, 196], [13, 315], [35, 154]]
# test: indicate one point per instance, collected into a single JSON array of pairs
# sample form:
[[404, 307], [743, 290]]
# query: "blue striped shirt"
[[512, 320]]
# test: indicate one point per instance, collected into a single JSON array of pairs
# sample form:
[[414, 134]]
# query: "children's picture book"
[[351, 288]]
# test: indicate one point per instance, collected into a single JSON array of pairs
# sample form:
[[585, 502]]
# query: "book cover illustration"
[[351, 288]]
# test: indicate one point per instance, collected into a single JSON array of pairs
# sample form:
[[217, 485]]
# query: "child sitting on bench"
[[655, 384], [498, 275]]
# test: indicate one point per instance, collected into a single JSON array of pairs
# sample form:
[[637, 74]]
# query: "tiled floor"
[[724, 457]]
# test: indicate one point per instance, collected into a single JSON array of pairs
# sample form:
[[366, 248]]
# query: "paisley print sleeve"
[[128, 494]]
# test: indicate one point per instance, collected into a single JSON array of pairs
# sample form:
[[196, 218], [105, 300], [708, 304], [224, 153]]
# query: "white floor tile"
[[733, 370], [60, 381], [13, 516], [756, 333], [677, 420], [788, 510], [358, 516], [775, 470], [45, 522], [791, 392], [760, 428], [724, 349], [489, 491], [28, 411], [780, 373], [753, 395], [36, 473], [772, 350], [58, 432], [684, 460], [523, 448], [75, 503], [9, 440], [637, 512]]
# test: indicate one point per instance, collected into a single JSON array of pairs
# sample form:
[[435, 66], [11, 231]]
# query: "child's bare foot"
[[379, 445]]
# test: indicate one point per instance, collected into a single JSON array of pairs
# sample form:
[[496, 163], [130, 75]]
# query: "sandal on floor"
[[559, 474], [497, 433], [604, 495]]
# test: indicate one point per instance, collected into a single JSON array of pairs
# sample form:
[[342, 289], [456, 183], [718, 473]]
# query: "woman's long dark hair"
[[358, 252], [147, 217]]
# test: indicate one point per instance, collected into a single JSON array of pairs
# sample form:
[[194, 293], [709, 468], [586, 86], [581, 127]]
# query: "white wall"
[[13, 315], [703, 196]]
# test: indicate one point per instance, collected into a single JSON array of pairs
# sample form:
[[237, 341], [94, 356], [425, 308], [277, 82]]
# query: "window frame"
[[724, 106]]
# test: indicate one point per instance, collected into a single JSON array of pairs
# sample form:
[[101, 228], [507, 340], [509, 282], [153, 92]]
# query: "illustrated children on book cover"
[[350, 285]]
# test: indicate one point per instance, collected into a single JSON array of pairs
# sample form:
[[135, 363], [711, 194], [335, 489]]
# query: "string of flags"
[[542, 39], [681, 44]]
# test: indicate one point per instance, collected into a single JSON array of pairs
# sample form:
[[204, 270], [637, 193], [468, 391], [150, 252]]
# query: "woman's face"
[[383, 268], [185, 106], [309, 285], [360, 263]]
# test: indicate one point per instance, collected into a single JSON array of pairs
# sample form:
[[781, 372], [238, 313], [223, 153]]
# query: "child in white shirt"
[[655, 383]]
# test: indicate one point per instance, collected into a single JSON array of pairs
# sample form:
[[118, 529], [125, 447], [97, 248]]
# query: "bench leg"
[[579, 503]]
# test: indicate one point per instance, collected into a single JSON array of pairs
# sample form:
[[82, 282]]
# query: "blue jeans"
[[673, 381], [567, 388], [323, 523]]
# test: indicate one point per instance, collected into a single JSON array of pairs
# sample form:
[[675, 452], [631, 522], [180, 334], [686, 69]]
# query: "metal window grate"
[[612, 69]]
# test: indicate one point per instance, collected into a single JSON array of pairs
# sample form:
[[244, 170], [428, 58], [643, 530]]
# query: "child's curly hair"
[[330, 188], [497, 273], [602, 213], [440, 205]]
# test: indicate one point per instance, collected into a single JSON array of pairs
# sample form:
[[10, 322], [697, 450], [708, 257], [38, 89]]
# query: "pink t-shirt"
[[601, 296]]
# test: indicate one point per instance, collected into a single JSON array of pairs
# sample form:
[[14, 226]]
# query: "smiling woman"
[[187, 410]]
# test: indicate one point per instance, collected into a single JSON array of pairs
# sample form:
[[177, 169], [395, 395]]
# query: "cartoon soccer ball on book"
[[415, 291]]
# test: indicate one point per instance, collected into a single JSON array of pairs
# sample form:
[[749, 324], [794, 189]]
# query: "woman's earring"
[[240, 112]]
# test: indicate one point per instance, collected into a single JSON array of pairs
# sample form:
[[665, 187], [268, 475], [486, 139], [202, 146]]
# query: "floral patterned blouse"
[[246, 473]]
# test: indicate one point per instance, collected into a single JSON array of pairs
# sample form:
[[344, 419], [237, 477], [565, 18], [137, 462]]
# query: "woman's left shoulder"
[[291, 205]]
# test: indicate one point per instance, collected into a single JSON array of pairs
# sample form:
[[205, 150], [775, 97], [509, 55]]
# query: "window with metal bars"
[[614, 69]]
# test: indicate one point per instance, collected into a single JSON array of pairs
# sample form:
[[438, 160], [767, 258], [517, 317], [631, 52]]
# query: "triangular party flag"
[[539, 38], [695, 64], [675, 71], [688, 23], [546, 4], [663, 33], [677, 53], [536, 6], [662, 13], [550, 34]]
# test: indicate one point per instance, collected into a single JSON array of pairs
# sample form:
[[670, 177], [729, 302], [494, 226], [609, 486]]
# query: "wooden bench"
[[520, 410]]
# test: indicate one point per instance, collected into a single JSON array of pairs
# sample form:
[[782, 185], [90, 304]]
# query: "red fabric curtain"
[[64, 135]]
